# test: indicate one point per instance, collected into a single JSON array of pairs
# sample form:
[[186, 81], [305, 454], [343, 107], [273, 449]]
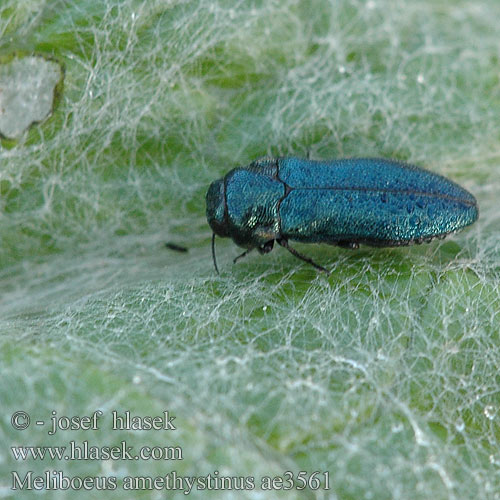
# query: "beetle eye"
[[216, 208]]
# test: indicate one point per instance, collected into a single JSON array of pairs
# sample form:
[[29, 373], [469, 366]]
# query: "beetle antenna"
[[213, 253], [284, 243]]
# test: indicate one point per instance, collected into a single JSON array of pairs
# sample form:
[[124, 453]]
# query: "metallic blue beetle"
[[340, 202]]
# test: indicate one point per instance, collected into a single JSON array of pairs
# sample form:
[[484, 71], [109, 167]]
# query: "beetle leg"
[[246, 252], [266, 247], [351, 245], [284, 244]]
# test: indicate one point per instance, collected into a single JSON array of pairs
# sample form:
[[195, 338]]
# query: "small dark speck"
[[175, 247]]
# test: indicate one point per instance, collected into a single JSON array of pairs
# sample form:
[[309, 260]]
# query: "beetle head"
[[216, 208]]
